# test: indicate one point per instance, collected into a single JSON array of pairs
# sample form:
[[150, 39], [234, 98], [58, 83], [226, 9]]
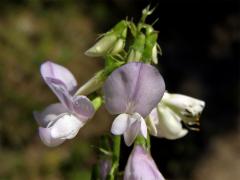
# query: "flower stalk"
[[115, 157]]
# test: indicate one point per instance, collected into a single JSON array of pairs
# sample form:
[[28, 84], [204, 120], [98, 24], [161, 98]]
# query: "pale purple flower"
[[105, 167], [132, 91], [141, 166], [62, 121]]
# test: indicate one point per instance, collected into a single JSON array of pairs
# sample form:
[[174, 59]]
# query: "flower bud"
[[102, 46], [118, 46], [111, 43], [141, 166], [137, 48], [92, 84], [154, 54], [134, 56]]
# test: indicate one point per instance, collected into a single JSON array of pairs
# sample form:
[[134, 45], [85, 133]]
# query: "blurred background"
[[201, 46]]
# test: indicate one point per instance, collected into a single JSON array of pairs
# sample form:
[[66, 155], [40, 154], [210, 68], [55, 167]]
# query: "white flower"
[[188, 108], [165, 120]]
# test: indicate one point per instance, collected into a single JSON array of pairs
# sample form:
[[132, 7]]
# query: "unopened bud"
[[92, 84], [118, 46], [154, 54], [111, 43]]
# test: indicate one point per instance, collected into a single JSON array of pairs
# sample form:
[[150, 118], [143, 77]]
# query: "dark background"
[[200, 42]]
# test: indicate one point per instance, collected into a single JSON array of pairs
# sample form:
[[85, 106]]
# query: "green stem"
[[97, 102], [95, 172], [115, 158], [145, 143]]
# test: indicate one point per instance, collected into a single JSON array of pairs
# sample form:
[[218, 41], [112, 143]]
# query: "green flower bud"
[[92, 84], [118, 46], [154, 54], [134, 55], [111, 43], [150, 50], [102, 46], [137, 48]]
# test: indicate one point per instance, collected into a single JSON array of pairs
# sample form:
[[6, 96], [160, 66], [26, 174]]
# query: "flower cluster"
[[131, 88]]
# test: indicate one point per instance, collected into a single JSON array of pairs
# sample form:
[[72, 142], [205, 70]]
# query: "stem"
[[97, 102], [115, 157], [95, 172], [145, 143]]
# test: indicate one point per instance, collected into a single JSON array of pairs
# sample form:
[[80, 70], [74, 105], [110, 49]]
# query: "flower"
[[112, 42], [62, 121], [165, 120], [105, 166], [141, 166], [132, 91]]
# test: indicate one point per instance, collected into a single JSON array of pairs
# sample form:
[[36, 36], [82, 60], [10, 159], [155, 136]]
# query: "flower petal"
[[56, 71], [152, 121], [120, 124], [184, 105], [47, 139], [169, 123], [143, 130], [83, 107], [131, 133], [139, 118], [60, 89], [134, 87], [49, 114], [66, 127], [141, 166]]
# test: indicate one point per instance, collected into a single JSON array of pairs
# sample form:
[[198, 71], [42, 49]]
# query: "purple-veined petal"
[[56, 71], [83, 107], [120, 124], [131, 133], [143, 126], [47, 139], [66, 127], [49, 114], [60, 89], [134, 87], [141, 166]]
